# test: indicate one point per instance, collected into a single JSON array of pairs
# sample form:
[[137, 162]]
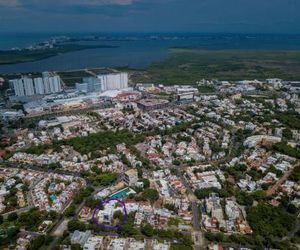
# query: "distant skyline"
[[207, 16]]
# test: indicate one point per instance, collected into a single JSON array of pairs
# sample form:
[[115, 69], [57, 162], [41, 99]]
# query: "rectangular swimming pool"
[[120, 194]]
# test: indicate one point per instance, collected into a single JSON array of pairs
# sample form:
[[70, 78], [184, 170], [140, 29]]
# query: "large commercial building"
[[90, 84], [114, 81], [152, 104], [104, 82], [26, 86], [12, 115], [93, 84], [80, 237], [255, 140], [275, 82], [186, 97], [82, 87]]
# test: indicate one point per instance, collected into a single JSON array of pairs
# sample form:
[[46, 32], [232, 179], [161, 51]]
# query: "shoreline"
[[189, 65], [11, 57]]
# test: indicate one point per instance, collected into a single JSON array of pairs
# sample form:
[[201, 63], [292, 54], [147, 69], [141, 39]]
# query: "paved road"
[[32, 233], [39, 168], [90, 72], [60, 228], [18, 211], [196, 218], [62, 224], [198, 238], [197, 234], [67, 112], [274, 188]]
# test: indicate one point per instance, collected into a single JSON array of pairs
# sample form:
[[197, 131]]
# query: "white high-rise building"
[[28, 86], [93, 84], [54, 84], [46, 74], [23, 86], [124, 80], [82, 87], [39, 86], [18, 87], [46, 85], [114, 81]]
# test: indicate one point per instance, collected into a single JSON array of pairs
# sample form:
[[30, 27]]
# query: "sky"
[[247, 16]]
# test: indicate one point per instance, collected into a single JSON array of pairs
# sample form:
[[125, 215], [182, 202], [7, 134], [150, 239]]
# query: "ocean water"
[[138, 51]]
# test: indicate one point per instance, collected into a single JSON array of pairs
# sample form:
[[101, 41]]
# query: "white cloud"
[[15, 3], [9, 3], [70, 3], [100, 2]]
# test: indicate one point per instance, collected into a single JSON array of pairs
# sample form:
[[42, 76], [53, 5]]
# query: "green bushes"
[[151, 194], [70, 211], [128, 229], [76, 225], [287, 150], [91, 143], [37, 242], [148, 230], [203, 193], [103, 140], [82, 195], [32, 219], [290, 119], [266, 220], [103, 179], [183, 240], [295, 176]]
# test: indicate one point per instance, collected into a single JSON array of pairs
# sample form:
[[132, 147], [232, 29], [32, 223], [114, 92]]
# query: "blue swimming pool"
[[52, 185], [120, 194], [53, 197]]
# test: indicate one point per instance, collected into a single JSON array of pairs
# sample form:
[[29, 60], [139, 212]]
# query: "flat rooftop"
[[152, 102], [131, 172]]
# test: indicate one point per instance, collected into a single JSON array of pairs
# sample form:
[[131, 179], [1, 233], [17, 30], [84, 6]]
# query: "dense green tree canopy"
[[267, 220], [151, 194]]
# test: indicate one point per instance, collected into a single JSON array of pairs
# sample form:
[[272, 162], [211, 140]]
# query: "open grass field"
[[186, 66]]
